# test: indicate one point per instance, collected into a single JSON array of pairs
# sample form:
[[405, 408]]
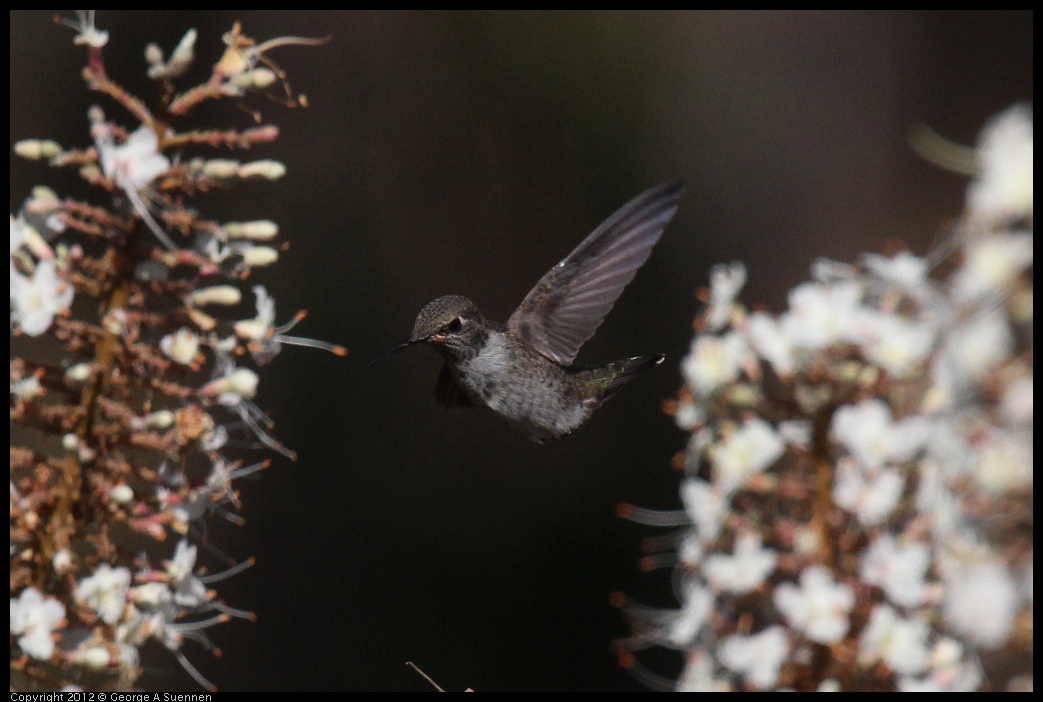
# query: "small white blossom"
[[725, 283], [259, 230], [121, 494], [872, 494], [705, 506], [189, 591], [38, 299], [26, 389], [713, 361], [181, 346], [136, 162], [33, 619], [698, 675], [87, 34], [758, 657], [899, 569], [745, 569], [973, 348], [748, 450], [899, 642], [821, 315], [105, 592], [258, 256], [1016, 404], [1003, 190], [262, 326], [896, 344], [265, 168], [91, 657], [764, 333], [23, 234], [905, 271], [867, 431], [62, 561], [981, 600], [1004, 462], [819, 607], [696, 607], [240, 383], [215, 295], [689, 415], [991, 264]]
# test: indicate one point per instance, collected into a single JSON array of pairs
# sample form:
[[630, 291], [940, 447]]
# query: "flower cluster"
[[128, 385], [858, 480]]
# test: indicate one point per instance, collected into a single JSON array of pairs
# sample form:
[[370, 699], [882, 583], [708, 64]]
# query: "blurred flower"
[[37, 299], [819, 607], [878, 435], [758, 657], [33, 619], [105, 592], [143, 390]]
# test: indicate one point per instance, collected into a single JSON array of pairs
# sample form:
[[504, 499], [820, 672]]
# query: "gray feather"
[[571, 300]]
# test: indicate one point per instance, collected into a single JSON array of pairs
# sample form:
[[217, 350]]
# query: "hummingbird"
[[523, 370]]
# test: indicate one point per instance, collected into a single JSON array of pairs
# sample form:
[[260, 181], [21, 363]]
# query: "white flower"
[[725, 283], [821, 314], [872, 495], [743, 570], [869, 435], [757, 657], [105, 592], [901, 643], [819, 607], [37, 299], [696, 607], [905, 271], [698, 675], [86, 33], [981, 600], [766, 337], [705, 506], [713, 361], [23, 234], [134, 163], [181, 346], [1004, 462], [27, 389], [991, 264], [215, 295], [689, 415], [1016, 404], [238, 384], [263, 325], [899, 569], [973, 348], [189, 591], [33, 618], [1003, 190], [748, 450], [896, 344]]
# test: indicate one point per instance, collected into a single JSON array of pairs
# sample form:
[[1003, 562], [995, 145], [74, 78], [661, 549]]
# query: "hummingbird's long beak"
[[393, 349]]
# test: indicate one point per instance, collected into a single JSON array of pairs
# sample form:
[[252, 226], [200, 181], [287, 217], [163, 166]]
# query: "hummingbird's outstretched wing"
[[570, 301]]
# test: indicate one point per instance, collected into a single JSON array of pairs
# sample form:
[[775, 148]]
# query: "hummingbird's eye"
[[454, 326]]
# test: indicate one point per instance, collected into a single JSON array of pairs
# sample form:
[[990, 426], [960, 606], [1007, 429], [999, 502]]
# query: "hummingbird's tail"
[[612, 376]]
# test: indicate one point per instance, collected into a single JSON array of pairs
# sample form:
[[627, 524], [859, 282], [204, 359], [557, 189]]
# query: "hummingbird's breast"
[[524, 387]]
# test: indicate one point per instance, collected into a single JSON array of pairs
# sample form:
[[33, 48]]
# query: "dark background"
[[467, 153]]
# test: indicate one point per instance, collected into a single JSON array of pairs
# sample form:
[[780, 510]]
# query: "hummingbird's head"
[[452, 324]]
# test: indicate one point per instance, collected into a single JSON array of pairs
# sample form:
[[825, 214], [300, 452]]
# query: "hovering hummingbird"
[[523, 370]]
